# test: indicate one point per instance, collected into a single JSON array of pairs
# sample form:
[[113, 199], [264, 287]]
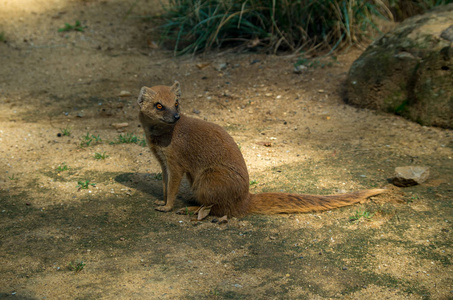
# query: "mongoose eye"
[[176, 104], [159, 106]]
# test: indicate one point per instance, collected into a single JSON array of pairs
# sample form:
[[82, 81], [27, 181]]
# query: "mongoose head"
[[160, 103]]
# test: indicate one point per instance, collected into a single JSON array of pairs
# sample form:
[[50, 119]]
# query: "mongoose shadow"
[[151, 184]]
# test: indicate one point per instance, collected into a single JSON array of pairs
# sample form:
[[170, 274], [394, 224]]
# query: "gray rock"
[[220, 66], [299, 69], [409, 70], [410, 175]]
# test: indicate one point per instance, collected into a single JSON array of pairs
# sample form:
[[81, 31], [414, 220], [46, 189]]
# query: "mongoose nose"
[[176, 116]]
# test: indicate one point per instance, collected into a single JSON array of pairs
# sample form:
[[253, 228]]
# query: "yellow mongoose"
[[213, 163]]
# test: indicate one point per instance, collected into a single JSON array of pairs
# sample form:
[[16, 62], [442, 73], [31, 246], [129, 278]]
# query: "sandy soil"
[[55, 83]]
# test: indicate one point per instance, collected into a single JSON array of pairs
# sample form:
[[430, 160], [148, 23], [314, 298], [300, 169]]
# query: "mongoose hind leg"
[[224, 190]]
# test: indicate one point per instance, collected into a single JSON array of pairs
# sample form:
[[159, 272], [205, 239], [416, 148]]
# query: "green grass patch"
[[99, 155], [90, 139], [129, 138], [361, 215], [76, 27], [65, 131], [13, 177], [84, 185], [76, 266], [63, 167]]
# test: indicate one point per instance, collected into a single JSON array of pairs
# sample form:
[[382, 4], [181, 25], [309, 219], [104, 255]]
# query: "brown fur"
[[212, 162]]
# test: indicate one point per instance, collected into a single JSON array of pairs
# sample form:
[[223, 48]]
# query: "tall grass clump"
[[290, 25], [200, 25]]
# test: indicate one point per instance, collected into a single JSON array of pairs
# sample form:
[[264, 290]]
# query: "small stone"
[[80, 115], [447, 34], [410, 175], [196, 111], [220, 66], [120, 125], [299, 69], [125, 94]]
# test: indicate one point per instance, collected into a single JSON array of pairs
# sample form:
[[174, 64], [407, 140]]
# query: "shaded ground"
[[52, 81]]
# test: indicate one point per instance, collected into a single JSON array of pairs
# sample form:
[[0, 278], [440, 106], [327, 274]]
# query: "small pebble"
[[300, 69], [125, 94]]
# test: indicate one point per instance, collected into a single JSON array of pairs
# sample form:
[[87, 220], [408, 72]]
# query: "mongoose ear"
[[176, 89], [145, 91]]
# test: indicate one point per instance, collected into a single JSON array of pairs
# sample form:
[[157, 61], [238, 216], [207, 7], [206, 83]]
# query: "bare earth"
[[294, 130]]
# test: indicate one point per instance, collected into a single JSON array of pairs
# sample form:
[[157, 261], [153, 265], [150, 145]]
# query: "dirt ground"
[[60, 95]]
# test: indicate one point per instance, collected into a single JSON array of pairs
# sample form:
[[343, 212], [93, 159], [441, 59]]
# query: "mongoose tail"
[[283, 203]]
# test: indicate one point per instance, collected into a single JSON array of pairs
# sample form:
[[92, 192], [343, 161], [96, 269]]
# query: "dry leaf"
[[223, 220], [201, 66], [203, 212], [253, 43], [152, 44]]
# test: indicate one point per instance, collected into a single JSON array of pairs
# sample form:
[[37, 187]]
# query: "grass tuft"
[[365, 215], [98, 155], [76, 27], [76, 266], [84, 185], [62, 167], [65, 131], [88, 139], [129, 138]]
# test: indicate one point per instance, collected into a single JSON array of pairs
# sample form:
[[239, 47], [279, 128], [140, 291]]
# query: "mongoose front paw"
[[164, 208], [159, 202]]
